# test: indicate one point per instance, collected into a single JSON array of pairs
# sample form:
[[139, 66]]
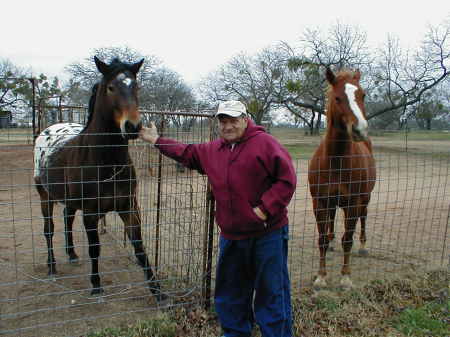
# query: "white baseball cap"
[[231, 108]]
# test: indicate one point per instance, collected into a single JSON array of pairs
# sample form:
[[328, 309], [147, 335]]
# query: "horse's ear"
[[331, 78], [101, 66], [136, 66], [357, 75]]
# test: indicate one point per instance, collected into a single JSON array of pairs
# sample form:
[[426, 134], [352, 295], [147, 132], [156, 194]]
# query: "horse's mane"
[[91, 105], [116, 66]]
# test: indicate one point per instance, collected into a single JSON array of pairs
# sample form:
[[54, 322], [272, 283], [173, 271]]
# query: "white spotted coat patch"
[[50, 140]]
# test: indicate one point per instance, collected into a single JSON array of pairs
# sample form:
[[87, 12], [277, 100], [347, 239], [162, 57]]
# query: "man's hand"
[[150, 134], [260, 213]]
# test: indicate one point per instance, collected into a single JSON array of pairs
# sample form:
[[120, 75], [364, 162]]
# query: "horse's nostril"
[[359, 134], [132, 130], [128, 127]]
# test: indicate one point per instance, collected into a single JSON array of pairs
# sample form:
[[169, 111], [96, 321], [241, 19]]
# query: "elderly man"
[[253, 180]]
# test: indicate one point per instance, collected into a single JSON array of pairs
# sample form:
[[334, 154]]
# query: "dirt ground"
[[408, 225]]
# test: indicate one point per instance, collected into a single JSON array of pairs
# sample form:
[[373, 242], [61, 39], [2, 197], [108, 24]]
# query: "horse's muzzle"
[[131, 130], [358, 135]]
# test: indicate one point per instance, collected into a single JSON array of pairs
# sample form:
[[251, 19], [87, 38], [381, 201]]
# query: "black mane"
[[91, 105], [116, 66]]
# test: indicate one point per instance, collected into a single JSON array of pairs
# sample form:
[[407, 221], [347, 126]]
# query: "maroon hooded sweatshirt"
[[257, 171]]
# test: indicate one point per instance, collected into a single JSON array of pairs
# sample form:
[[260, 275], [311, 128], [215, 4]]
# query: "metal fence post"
[[444, 246], [33, 108], [158, 202], [209, 237]]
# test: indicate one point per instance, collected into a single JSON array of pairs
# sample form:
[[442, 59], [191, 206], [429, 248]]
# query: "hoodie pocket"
[[250, 221], [237, 216]]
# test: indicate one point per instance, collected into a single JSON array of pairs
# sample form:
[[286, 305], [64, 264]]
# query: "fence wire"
[[407, 229]]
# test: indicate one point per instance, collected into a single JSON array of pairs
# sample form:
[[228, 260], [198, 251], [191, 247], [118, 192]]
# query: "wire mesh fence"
[[407, 222], [407, 227]]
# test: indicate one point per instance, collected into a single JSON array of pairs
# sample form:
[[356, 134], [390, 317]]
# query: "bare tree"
[[249, 79], [13, 85], [16, 94], [434, 105], [342, 46], [166, 91], [404, 77], [86, 74], [161, 88]]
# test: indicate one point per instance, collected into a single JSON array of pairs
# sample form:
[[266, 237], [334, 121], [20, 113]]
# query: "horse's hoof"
[[73, 259], [163, 301], [346, 283], [319, 283], [97, 291], [161, 297], [52, 272], [363, 252]]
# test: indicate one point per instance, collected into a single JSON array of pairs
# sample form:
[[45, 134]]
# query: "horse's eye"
[[338, 100]]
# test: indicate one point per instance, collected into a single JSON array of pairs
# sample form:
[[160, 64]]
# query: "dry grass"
[[370, 311]]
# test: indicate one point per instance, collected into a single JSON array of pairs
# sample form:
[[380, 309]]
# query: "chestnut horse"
[[342, 170], [89, 168]]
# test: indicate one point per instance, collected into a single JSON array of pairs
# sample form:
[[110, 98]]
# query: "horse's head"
[[346, 104], [117, 98]]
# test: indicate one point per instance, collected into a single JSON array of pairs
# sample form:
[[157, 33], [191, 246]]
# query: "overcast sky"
[[192, 37]]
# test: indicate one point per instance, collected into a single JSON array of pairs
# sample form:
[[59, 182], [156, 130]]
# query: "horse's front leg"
[[90, 225], [69, 217], [351, 218], [364, 202], [321, 214], [331, 235], [362, 237], [132, 221]]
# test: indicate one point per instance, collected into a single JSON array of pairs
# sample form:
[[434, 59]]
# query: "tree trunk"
[[319, 121], [258, 116], [311, 124]]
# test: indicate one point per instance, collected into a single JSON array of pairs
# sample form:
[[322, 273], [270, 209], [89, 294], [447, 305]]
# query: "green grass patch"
[[412, 135], [301, 151], [160, 326], [16, 136], [327, 304], [431, 319]]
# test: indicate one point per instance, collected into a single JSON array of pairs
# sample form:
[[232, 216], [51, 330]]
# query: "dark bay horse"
[[89, 169], [342, 170]]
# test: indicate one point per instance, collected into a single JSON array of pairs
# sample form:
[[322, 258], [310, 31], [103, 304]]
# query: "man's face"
[[232, 128]]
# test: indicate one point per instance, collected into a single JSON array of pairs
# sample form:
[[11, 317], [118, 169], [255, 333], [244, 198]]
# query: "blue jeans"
[[252, 284]]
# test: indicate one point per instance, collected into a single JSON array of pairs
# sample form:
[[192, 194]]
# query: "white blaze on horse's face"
[[124, 79], [129, 119], [361, 127]]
